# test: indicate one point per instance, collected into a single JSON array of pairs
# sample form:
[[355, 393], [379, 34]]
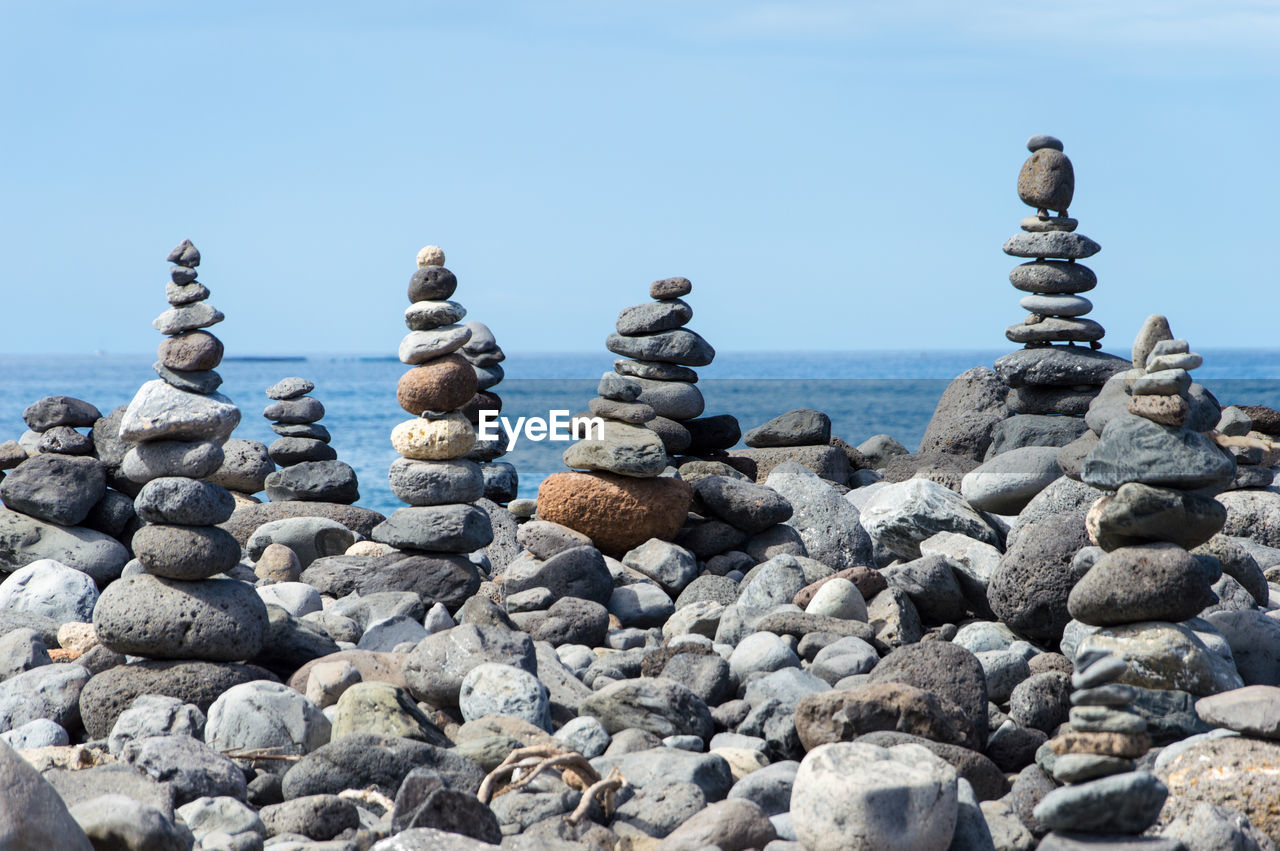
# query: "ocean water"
[[864, 393]]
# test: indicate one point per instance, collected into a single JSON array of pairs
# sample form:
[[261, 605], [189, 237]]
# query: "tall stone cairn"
[[1052, 374], [1139, 584], [174, 607], [482, 351], [309, 466], [433, 474]]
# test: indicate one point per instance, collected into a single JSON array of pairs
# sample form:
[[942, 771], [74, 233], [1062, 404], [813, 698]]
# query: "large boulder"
[[1030, 589], [32, 814], [827, 523], [900, 516], [970, 408]]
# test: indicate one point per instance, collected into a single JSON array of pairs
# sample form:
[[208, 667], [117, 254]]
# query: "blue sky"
[[829, 175]]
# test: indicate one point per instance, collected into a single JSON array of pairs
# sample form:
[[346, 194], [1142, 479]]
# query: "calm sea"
[[864, 393]]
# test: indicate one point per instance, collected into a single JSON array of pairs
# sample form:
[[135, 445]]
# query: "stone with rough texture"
[[800, 427], [118, 821], [59, 489], [245, 466], [1126, 803], [966, 415], [314, 481], [856, 796], [248, 518], [1029, 590], [745, 505], [146, 461], [53, 411], [444, 384], [679, 346], [1047, 181], [192, 768], [624, 449], [616, 512], [436, 528], [1164, 656], [948, 670], [1147, 582], [155, 715], [1233, 772], [215, 619], [1139, 513]]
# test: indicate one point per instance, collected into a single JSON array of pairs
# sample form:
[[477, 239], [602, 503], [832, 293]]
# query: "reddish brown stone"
[[868, 581], [194, 350], [618, 513], [444, 384]]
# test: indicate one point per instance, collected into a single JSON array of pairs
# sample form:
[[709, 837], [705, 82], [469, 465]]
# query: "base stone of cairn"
[[175, 607], [309, 466], [433, 474]]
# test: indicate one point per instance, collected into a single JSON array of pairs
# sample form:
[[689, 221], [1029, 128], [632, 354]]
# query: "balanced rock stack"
[[645, 406], [1105, 797], [1162, 472], [309, 466], [660, 352], [1048, 377], [173, 608], [482, 351], [433, 474]]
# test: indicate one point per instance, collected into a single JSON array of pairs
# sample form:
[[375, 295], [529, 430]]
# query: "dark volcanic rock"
[[1030, 588]]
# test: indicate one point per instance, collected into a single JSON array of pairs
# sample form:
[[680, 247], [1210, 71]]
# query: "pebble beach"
[[1045, 614]]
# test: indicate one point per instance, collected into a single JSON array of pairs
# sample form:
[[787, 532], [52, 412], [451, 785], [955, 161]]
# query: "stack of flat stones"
[[482, 351], [658, 352], [1105, 797], [1161, 473], [54, 477], [309, 466], [627, 445], [169, 605], [434, 475], [1053, 375]]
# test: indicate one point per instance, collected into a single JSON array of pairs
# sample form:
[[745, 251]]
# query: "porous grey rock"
[[118, 821], [671, 566], [59, 489], [46, 691], [969, 410], [184, 502], [438, 528], [146, 461], [578, 571], [497, 689], [245, 466], [1029, 590], [360, 760], [215, 619], [1006, 483]]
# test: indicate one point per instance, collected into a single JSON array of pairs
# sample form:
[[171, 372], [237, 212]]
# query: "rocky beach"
[[1052, 624]]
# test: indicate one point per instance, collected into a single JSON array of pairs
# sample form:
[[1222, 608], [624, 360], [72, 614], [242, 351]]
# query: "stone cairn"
[[309, 466], [1257, 452], [54, 477], [173, 607], [1140, 583], [1104, 793], [1053, 375], [646, 406], [658, 352], [501, 482], [433, 474]]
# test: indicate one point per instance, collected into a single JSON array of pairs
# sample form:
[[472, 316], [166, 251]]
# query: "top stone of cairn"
[[1047, 180], [431, 255]]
